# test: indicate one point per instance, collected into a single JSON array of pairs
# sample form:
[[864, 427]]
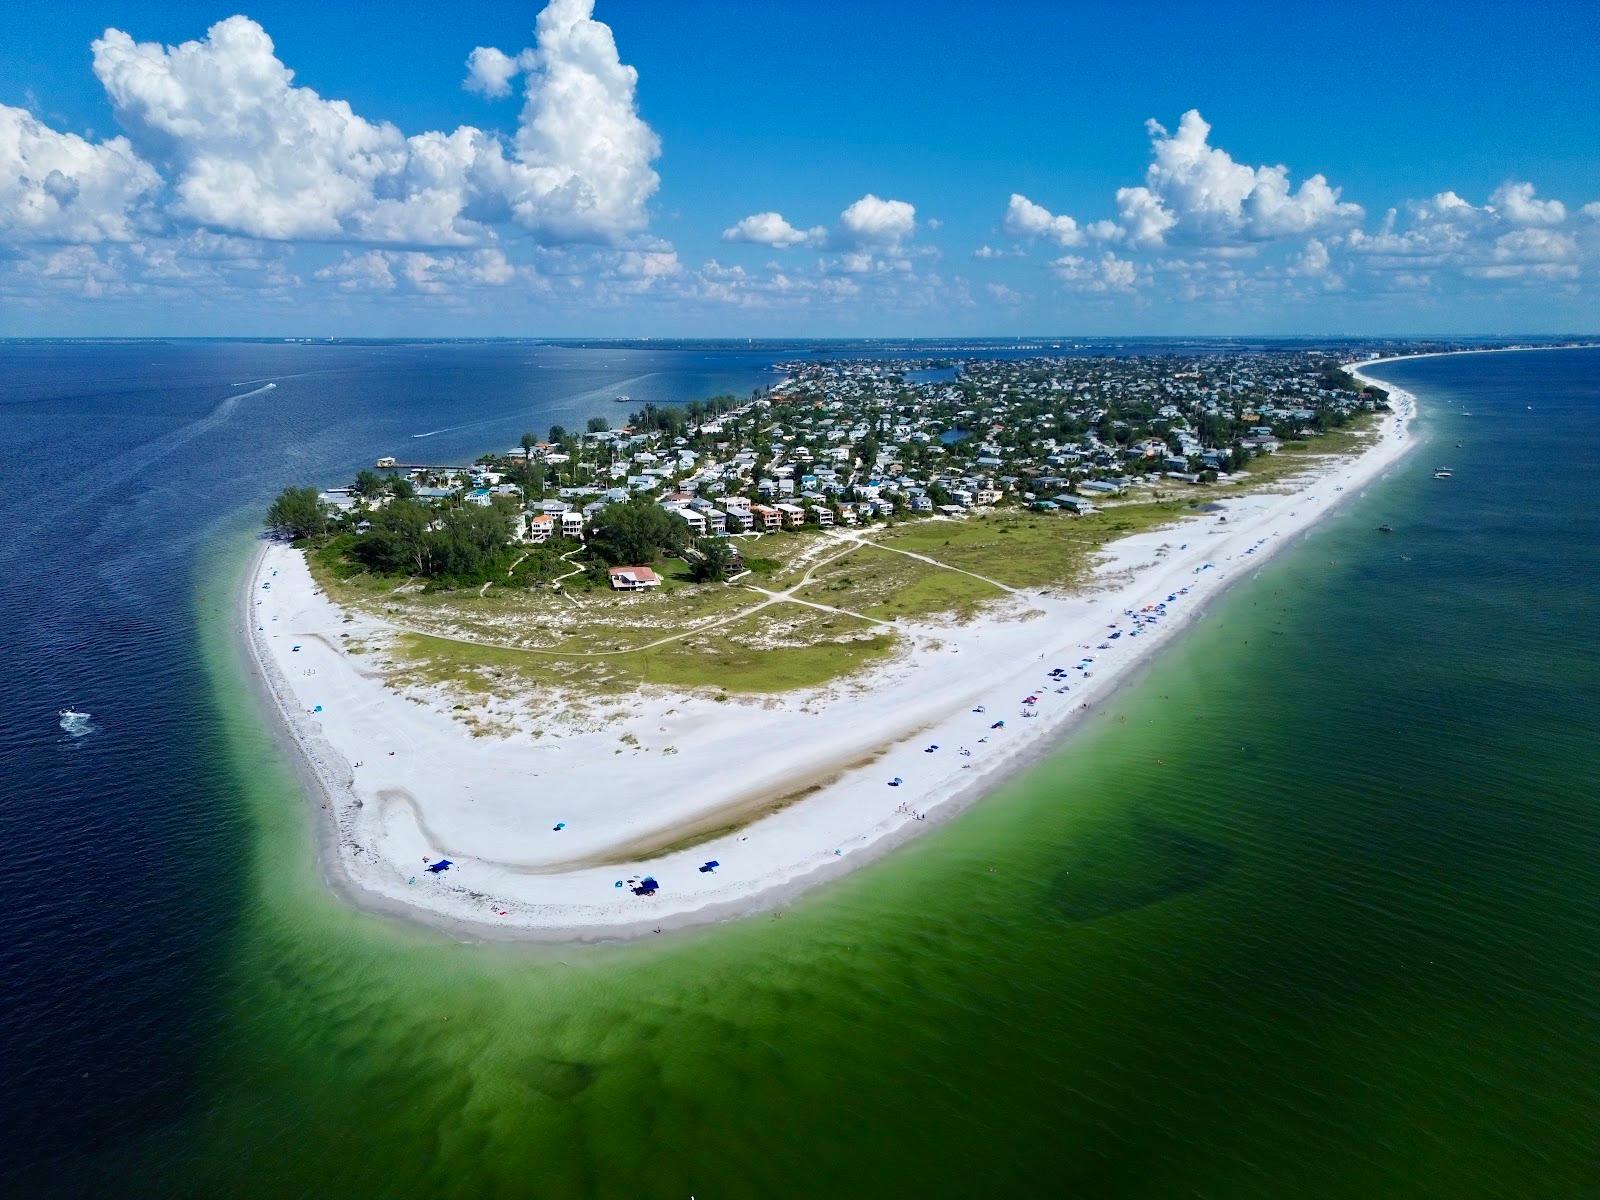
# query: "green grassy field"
[[1294, 457], [777, 650], [1027, 549], [882, 584], [519, 638]]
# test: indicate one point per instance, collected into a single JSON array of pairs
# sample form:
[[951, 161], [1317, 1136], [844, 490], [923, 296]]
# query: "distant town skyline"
[[699, 169]]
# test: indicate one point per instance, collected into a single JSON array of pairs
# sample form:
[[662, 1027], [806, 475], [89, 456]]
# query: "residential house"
[[633, 579]]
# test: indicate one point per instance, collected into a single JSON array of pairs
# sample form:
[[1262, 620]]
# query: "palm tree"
[[529, 441]]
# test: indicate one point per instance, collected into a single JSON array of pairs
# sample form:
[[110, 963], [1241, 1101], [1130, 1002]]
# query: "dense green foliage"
[[298, 513], [676, 420], [712, 561], [636, 531], [407, 538]]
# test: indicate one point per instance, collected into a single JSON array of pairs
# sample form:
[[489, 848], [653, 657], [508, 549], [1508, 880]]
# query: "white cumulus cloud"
[[420, 271], [1516, 202], [1515, 236], [250, 152], [1196, 194], [1026, 219], [490, 71], [584, 153], [1211, 198], [1108, 273], [1313, 261], [60, 187], [871, 221], [869, 235], [770, 229]]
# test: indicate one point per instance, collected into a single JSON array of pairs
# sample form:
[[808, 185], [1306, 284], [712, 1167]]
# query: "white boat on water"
[[622, 399], [1442, 472]]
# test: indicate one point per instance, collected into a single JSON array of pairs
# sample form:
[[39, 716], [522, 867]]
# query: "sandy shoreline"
[[425, 788]]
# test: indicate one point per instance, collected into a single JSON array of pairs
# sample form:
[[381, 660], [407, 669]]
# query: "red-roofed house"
[[634, 579]]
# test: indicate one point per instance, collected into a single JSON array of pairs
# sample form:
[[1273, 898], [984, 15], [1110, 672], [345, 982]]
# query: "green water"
[[1309, 909]]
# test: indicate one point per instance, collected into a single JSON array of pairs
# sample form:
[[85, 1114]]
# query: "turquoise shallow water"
[[1310, 909]]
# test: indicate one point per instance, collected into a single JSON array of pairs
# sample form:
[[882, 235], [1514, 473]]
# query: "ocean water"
[[1311, 908]]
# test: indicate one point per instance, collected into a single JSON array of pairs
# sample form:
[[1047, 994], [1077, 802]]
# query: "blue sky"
[[721, 169]]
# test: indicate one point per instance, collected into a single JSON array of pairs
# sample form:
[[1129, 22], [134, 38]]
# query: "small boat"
[[1385, 528], [622, 399], [1441, 472]]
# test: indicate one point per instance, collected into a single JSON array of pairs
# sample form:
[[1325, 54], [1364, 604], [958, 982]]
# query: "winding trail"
[[786, 596], [933, 562], [852, 541], [566, 558]]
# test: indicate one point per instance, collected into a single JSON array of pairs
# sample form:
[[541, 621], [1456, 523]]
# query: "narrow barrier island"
[[613, 679]]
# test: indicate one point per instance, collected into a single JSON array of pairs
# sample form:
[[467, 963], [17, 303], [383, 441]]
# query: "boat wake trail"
[[130, 464], [501, 420], [579, 398], [270, 378]]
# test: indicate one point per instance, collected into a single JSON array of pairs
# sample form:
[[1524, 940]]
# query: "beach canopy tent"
[[444, 864], [647, 887]]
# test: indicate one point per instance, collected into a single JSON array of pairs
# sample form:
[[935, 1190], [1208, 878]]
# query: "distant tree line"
[[676, 420]]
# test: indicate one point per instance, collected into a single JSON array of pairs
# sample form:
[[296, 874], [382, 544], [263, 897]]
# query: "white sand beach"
[[799, 788]]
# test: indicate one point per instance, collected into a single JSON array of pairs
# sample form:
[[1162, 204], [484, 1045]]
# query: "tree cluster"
[[407, 538], [676, 420], [298, 512], [637, 530], [713, 561]]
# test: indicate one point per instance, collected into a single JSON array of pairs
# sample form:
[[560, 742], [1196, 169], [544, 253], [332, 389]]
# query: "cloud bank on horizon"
[[229, 179]]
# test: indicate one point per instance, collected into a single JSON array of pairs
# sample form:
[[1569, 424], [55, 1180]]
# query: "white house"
[[633, 579]]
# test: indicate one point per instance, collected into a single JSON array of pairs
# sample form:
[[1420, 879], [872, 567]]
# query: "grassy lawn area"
[[1028, 549], [346, 582], [783, 648], [1292, 458], [537, 617], [882, 584]]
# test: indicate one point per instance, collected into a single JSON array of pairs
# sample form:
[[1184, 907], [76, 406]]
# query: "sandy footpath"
[[403, 783]]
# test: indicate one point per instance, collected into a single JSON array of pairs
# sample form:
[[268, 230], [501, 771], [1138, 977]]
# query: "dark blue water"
[[123, 465]]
